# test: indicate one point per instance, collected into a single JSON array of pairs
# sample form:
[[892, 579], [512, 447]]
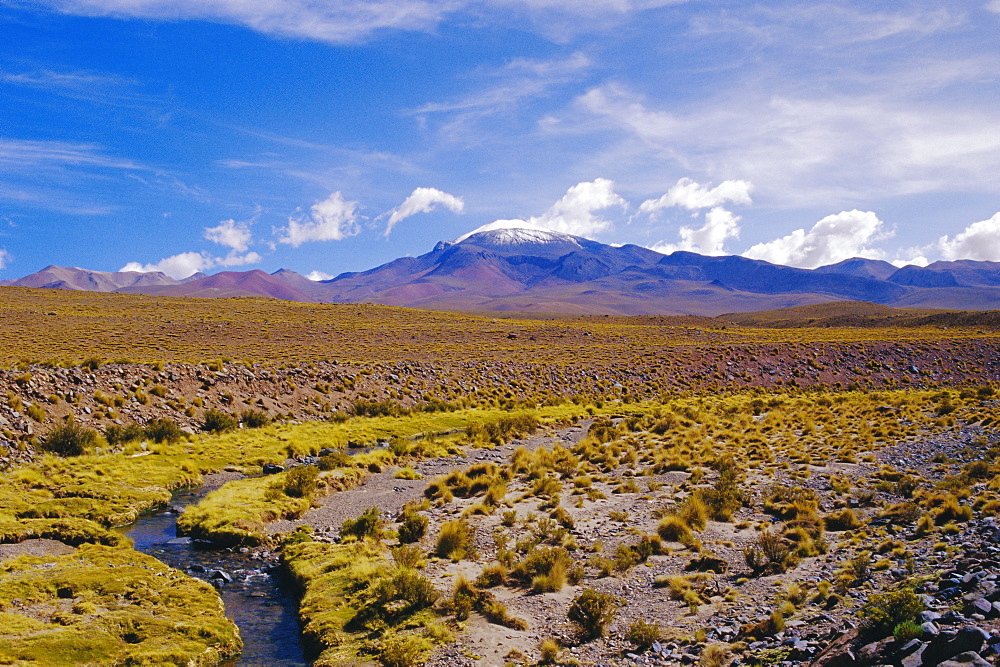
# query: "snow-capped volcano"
[[517, 232]]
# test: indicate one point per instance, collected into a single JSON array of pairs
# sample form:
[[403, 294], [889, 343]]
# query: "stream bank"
[[258, 595]]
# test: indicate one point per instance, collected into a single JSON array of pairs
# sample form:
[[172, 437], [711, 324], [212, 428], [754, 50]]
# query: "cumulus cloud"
[[177, 266], [834, 238], [186, 264], [994, 6], [318, 276], [576, 212], [915, 260], [332, 219], [694, 196], [231, 234], [423, 200], [980, 240], [4, 258], [719, 226], [709, 239], [236, 259]]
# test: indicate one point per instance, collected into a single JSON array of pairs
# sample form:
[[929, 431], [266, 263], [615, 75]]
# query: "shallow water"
[[260, 598]]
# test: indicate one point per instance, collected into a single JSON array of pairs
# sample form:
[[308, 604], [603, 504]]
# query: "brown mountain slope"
[[73, 278]]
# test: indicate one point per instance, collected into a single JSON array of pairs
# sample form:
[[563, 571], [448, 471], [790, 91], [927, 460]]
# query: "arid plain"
[[814, 484]]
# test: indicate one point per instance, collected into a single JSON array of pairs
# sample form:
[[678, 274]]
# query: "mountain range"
[[522, 269]]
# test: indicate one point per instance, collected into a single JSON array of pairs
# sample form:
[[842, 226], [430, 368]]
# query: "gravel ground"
[[390, 494], [39, 547]]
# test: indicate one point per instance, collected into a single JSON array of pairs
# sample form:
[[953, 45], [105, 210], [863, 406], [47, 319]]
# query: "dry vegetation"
[[725, 483]]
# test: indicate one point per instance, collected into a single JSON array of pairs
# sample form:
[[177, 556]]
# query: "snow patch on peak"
[[518, 232]]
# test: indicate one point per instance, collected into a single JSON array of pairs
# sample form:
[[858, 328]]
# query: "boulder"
[[946, 646], [967, 659]]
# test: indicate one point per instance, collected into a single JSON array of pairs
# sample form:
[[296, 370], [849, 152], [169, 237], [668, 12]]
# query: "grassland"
[[67, 327], [764, 448]]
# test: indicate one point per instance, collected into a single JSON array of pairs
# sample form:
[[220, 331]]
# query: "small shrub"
[[771, 553], [218, 422], [119, 435], [404, 650], [412, 526], [492, 575], [907, 630], [496, 612], [884, 611], [409, 556], [694, 512], [301, 481], [860, 566], [254, 418], [37, 412], [714, 655], [672, 528], [93, 363], [368, 525], [455, 540], [549, 651], [71, 439], [593, 612], [164, 430], [643, 634], [901, 514], [846, 519]]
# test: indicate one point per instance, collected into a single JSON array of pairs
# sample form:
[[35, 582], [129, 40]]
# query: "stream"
[[258, 595]]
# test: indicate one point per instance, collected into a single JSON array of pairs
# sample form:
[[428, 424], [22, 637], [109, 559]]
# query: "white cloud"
[[520, 78], [471, 117], [918, 260], [710, 239], [232, 234], [186, 264], [832, 239], [336, 21], [693, 196], [423, 200], [318, 276], [344, 21], [4, 258], [994, 6], [575, 212], [176, 266], [31, 155], [332, 219], [799, 146], [236, 259], [980, 240]]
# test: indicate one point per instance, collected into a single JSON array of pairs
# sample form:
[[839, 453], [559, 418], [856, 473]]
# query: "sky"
[[326, 136]]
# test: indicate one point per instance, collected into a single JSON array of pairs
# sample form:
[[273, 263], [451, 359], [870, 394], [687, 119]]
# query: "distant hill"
[[61, 277], [503, 268]]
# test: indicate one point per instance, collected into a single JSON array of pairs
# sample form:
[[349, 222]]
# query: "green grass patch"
[[357, 605], [104, 605], [239, 511]]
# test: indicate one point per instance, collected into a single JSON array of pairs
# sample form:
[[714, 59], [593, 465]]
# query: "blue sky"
[[334, 135]]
